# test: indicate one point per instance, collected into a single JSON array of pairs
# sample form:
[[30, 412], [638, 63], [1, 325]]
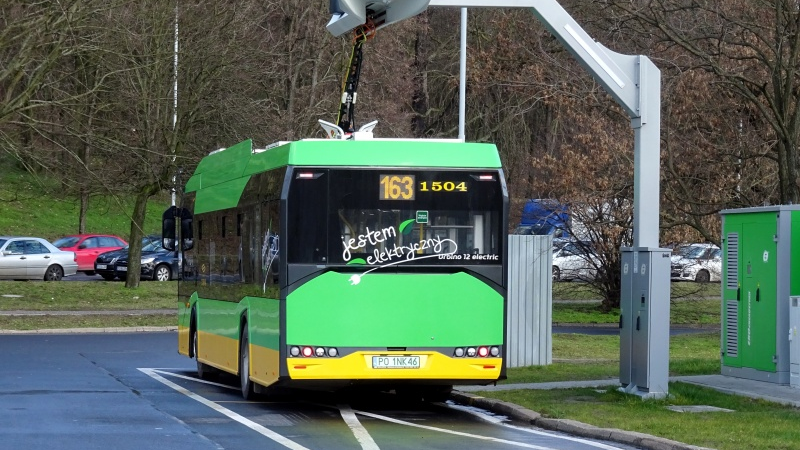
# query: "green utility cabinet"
[[761, 253]]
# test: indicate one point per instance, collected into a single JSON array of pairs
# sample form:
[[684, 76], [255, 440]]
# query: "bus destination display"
[[403, 187]]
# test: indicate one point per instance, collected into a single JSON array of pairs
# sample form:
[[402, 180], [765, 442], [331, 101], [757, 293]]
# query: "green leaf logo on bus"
[[407, 226], [357, 262]]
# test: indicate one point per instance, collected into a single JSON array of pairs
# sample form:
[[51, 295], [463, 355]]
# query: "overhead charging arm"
[[633, 81]]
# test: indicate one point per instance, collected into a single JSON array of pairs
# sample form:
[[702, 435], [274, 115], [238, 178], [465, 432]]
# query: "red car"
[[88, 246]]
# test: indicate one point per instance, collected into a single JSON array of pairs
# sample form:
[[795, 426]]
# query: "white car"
[[697, 262], [31, 258], [573, 261]]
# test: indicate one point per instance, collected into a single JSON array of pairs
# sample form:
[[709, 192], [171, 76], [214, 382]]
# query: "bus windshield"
[[381, 217]]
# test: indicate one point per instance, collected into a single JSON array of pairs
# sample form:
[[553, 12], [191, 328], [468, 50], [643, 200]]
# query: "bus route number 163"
[[395, 362]]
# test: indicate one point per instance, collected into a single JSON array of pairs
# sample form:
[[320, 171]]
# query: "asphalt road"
[[133, 391], [83, 277]]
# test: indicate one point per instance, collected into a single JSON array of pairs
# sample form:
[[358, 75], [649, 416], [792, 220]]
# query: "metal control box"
[[644, 321], [761, 249]]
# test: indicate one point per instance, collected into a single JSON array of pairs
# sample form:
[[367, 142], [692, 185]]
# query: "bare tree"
[[752, 51], [146, 135], [35, 42]]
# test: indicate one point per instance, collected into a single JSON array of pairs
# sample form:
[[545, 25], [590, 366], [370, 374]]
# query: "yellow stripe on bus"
[[183, 340], [223, 353], [264, 365], [218, 351], [433, 365]]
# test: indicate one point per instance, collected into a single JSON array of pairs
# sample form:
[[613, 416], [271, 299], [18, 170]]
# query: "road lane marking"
[[264, 431], [502, 421], [456, 433], [197, 380], [361, 434]]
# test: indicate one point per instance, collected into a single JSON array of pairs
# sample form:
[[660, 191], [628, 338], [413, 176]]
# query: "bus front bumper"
[[394, 366]]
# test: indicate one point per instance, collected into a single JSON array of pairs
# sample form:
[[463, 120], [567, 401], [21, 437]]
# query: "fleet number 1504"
[[447, 186]]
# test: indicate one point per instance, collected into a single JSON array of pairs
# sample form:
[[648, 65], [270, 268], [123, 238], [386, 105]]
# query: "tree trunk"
[[137, 233], [83, 191], [787, 170], [82, 213], [419, 100]]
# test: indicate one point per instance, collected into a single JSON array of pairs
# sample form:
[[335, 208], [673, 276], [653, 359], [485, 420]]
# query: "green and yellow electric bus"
[[332, 263]]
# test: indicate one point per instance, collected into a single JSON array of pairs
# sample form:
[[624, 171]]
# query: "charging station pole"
[[635, 83]]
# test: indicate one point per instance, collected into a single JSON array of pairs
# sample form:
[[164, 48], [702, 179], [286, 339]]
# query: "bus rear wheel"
[[244, 365]]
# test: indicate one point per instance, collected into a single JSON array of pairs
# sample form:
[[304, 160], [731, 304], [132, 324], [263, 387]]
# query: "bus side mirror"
[[168, 222], [168, 228]]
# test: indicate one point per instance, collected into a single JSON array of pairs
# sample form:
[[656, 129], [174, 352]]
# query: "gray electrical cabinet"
[[644, 321]]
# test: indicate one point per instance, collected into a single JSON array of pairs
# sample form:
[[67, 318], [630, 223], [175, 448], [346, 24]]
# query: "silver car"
[[697, 262], [30, 258], [573, 261]]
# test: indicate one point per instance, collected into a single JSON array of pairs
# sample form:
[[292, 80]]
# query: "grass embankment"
[[41, 207]]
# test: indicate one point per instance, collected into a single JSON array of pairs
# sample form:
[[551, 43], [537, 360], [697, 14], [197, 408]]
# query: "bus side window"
[[270, 247]]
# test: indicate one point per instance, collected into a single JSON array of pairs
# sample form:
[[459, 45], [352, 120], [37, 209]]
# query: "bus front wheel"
[[204, 371], [244, 365]]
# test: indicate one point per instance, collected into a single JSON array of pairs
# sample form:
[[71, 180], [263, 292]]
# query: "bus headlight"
[[459, 352], [294, 351]]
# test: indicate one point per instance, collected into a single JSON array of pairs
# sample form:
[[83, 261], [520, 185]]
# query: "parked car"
[[32, 258], [697, 262], [88, 246], [573, 261], [157, 263]]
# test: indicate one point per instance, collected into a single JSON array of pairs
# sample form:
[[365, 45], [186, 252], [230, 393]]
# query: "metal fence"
[[530, 300]]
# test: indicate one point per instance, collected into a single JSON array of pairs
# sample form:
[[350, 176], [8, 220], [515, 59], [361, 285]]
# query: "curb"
[[572, 427], [91, 330]]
